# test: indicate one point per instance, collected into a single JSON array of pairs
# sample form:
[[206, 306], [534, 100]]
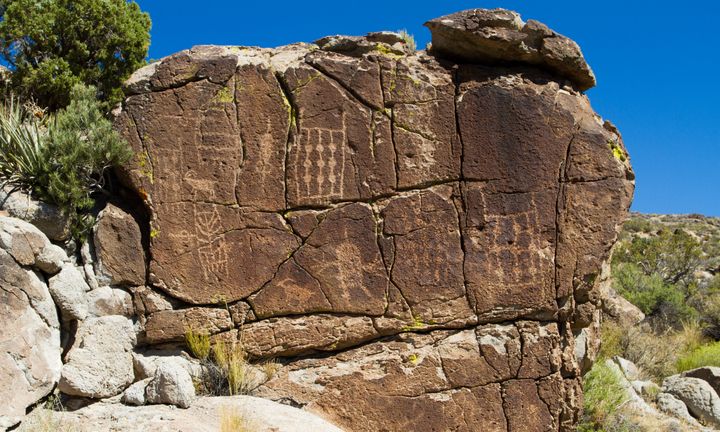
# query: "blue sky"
[[657, 63]]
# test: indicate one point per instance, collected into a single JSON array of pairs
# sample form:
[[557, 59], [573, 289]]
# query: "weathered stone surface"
[[172, 325], [135, 394], [29, 339], [434, 374], [100, 363], [51, 259], [498, 35], [699, 397], [171, 385], [206, 415], [709, 374], [675, 407], [315, 198], [46, 217], [109, 301], [119, 250], [68, 289]]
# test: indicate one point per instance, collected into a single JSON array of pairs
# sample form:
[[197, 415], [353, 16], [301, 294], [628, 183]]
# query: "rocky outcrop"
[[45, 217], [30, 329], [210, 414], [433, 223]]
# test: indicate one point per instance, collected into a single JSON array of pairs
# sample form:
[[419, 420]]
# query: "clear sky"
[[657, 64]]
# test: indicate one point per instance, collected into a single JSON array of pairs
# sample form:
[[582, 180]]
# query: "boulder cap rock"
[[500, 35]]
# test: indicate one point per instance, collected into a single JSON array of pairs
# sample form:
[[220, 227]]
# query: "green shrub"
[[706, 355], [53, 45], [603, 397], [62, 159]]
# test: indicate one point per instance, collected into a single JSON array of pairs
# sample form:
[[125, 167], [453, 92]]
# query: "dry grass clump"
[[233, 421], [226, 365], [656, 353]]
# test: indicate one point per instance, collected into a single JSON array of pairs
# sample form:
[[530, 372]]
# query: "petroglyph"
[[321, 154]]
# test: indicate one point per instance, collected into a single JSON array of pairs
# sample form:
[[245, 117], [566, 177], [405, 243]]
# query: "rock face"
[[30, 331], [444, 222]]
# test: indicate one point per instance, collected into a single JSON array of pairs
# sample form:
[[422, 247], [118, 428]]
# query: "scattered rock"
[[135, 394], [118, 247], [171, 385], [46, 217], [51, 259], [628, 368], [675, 407], [68, 289], [619, 309], [100, 362], [499, 35], [709, 374], [699, 397]]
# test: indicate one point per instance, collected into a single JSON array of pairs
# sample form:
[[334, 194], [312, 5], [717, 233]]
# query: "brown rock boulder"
[[119, 249], [425, 234], [499, 35]]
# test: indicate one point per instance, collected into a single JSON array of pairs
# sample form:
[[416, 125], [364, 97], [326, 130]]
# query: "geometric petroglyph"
[[321, 154], [514, 253]]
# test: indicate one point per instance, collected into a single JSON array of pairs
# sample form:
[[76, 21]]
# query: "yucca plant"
[[23, 138]]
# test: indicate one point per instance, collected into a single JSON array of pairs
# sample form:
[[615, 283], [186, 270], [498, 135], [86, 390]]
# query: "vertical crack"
[[395, 150], [562, 174], [293, 127]]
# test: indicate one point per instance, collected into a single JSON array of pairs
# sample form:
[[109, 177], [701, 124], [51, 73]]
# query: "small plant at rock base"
[[231, 359], [198, 343], [233, 421]]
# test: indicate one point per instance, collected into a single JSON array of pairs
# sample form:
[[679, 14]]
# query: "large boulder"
[[29, 339], [354, 199], [699, 397], [709, 374], [171, 385], [100, 362]]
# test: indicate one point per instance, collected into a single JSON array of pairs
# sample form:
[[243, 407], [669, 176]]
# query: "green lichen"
[[224, 95], [144, 167], [413, 358], [617, 151], [417, 324], [154, 233]]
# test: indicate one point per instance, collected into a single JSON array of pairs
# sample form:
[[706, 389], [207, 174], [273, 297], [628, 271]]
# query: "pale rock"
[[109, 301], [135, 394], [172, 385], [46, 217], [205, 415], [51, 259], [669, 404], [29, 340], [68, 289], [99, 364], [699, 397]]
